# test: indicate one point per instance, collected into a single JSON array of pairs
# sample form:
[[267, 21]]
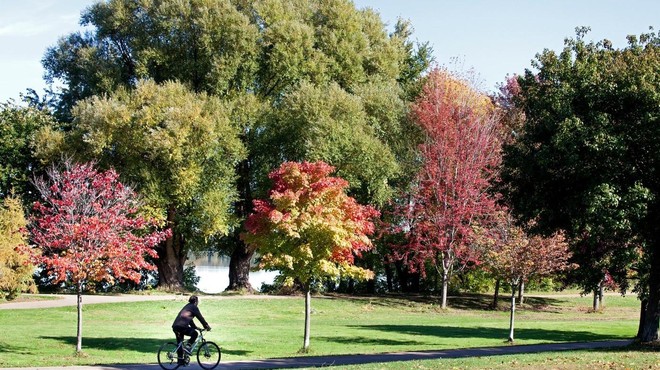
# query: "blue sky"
[[494, 38]]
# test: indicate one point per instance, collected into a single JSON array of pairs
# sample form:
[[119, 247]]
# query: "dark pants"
[[179, 332]]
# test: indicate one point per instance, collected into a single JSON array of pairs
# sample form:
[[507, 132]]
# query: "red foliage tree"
[[86, 230], [309, 228], [510, 254], [460, 157]]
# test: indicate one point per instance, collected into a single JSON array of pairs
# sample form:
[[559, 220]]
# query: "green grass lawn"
[[248, 328]]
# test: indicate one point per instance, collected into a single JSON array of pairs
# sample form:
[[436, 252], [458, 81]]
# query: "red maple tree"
[[459, 160], [86, 230]]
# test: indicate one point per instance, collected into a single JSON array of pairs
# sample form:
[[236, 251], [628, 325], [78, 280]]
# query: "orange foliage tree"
[[309, 228]]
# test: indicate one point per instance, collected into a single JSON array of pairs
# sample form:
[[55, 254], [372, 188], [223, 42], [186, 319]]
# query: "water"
[[213, 272]]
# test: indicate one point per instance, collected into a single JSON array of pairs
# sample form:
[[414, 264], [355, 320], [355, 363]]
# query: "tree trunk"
[[239, 269], [521, 293], [241, 256], [598, 296], [389, 277], [308, 312], [642, 317], [496, 296], [79, 331], [649, 332], [171, 258], [445, 288], [596, 303], [513, 311]]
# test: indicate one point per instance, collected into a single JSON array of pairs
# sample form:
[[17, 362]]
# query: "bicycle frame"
[[208, 353], [200, 338]]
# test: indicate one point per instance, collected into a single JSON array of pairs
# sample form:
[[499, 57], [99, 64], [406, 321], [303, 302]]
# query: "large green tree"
[[265, 57], [19, 126], [178, 148], [587, 158]]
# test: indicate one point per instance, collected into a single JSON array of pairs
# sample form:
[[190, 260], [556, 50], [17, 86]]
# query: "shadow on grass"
[[491, 333], [468, 302], [142, 345], [369, 341]]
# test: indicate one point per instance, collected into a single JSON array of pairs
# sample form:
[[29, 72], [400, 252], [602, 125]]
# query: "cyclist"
[[184, 324]]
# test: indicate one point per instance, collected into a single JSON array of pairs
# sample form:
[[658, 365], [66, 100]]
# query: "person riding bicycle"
[[184, 324]]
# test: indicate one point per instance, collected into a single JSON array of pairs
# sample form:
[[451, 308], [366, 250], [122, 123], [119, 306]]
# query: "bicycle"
[[208, 353]]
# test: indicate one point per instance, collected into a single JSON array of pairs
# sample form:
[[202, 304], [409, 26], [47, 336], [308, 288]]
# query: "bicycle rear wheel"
[[167, 357], [208, 355]]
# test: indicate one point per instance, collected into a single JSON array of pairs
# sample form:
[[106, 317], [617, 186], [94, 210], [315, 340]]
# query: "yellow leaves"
[[15, 269], [328, 268], [460, 92]]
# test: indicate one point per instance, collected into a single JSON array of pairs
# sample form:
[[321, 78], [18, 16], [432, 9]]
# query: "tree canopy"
[[86, 229], [309, 228], [271, 61], [178, 148], [586, 159], [19, 127], [15, 267], [450, 193]]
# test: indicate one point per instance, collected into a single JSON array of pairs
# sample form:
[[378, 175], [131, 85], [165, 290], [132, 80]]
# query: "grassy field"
[[249, 328]]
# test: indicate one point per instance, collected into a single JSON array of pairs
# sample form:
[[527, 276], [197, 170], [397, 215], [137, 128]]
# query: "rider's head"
[[193, 299]]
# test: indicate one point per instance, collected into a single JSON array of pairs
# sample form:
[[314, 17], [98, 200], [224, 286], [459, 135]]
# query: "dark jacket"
[[185, 317]]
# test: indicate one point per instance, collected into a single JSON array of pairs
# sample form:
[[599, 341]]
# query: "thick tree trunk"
[[239, 263], [308, 313], [496, 296], [642, 317], [239, 269], [649, 330], [512, 317], [80, 312], [171, 258]]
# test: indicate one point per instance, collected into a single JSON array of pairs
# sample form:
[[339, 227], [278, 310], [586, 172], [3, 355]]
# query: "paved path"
[[62, 300], [299, 362]]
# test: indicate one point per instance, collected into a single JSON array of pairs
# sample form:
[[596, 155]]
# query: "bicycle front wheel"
[[208, 355], [167, 357]]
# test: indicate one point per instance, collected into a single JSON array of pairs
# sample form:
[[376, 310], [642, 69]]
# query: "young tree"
[[513, 256], [308, 228], [15, 268], [460, 157], [86, 230], [586, 159]]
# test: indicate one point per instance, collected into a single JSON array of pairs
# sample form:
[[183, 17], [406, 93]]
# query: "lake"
[[213, 272]]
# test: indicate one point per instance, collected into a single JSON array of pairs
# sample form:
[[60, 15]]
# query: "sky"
[[494, 38]]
